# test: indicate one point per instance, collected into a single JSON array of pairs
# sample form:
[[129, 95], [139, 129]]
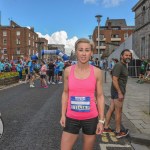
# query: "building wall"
[[21, 41], [109, 43], [141, 36]]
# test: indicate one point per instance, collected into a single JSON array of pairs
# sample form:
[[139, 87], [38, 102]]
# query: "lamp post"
[[39, 49], [98, 17]]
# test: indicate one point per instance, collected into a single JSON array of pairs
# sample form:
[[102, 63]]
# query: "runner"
[[51, 67], [60, 73], [79, 110], [43, 74]]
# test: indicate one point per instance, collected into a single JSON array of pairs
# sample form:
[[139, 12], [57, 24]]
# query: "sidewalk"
[[136, 107]]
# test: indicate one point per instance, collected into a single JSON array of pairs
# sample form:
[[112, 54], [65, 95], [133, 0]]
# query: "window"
[[18, 33], [4, 33], [29, 34], [29, 42], [115, 36], [18, 50], [115, 43], [18, 41], [102, 44], [101, 36], [143, 46], [33, 36], [4, 42], [33, 43], [29, 52], [5, 50], [125, 35]]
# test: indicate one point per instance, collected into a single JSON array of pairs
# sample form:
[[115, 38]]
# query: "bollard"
[[105, 75]]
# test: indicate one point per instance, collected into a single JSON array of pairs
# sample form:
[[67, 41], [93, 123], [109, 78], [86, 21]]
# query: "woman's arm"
[[100, 100], [64, 100]]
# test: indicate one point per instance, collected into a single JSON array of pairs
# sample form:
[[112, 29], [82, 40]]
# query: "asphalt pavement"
[[135, 115]]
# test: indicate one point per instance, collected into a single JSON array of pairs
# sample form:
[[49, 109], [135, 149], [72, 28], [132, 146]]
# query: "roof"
[[116, 22], [138, 4]]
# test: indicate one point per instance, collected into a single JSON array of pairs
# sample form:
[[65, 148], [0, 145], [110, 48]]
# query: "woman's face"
[[84, 52]]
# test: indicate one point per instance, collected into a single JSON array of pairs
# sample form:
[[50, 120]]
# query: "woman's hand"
[[63, 121], [100, 128]]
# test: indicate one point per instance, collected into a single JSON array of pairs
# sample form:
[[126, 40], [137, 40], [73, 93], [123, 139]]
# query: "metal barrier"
[[134, 71]]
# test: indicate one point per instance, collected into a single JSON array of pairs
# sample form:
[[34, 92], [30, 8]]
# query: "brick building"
[[141, 36], [17, 41], [111, 36]]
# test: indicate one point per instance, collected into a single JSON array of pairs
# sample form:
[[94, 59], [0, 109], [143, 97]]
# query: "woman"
[[19, 69], [43, 71], [82, 83]]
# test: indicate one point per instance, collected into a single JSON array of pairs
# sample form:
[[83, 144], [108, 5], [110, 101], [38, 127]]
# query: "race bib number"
[[80, 104]]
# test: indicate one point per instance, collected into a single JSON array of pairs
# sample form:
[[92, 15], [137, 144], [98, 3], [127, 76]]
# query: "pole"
[[98, 20], [98, 42], [39, 50], [149, 100]]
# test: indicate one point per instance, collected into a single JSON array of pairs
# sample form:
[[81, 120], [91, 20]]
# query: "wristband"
[[101, 121]]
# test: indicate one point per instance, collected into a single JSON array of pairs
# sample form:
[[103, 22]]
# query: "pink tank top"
[[81, 102]]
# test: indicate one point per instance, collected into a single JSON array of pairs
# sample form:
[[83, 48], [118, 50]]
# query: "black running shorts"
[[88, 126]]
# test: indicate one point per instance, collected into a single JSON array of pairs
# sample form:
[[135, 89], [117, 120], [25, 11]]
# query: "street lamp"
[[98, 17]]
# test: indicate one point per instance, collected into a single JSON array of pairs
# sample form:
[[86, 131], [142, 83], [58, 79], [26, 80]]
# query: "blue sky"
[[70, 19]]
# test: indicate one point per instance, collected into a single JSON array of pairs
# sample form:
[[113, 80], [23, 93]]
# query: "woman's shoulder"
[[97, 71]]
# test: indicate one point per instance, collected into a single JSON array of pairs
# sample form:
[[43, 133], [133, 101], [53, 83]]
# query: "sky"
[[64, 21]]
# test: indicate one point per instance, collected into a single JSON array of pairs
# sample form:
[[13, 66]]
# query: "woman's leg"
[[88, 142], [68, 140]]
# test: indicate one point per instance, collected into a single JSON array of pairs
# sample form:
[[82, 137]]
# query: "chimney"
[[109, 25], [32, 29]]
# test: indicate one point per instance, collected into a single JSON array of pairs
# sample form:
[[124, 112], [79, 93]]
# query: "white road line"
[[1, 128], [105, 146]]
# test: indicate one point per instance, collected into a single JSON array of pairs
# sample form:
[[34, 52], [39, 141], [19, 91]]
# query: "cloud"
[[90, 1], [60, 37], [111, 3]]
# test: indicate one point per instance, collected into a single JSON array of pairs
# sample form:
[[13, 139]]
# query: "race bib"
[[80, 104]]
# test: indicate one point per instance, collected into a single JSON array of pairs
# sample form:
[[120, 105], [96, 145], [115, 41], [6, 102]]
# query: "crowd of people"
[[49, 72]]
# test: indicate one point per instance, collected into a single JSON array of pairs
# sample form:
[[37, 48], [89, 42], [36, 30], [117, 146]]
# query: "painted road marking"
[[113, 137], [1, 127], [105, 146], [105, 137]]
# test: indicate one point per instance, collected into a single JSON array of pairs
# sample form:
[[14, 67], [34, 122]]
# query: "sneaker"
[[122, 133], [53, 82], [107, 130], [137, 81], [32, 86], [49, 82], [46, 87], [59, 82], [141, 82]]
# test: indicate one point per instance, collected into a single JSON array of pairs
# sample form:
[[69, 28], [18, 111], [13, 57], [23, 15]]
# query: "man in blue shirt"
[[61, 66]]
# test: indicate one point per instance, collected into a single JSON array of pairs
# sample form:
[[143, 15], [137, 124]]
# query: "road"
[[31, 121]]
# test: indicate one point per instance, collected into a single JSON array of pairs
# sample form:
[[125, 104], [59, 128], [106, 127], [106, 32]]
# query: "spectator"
[[142, 70]]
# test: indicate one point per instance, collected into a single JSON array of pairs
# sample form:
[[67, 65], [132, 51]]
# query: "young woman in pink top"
[[80, 110], [43, 75]]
